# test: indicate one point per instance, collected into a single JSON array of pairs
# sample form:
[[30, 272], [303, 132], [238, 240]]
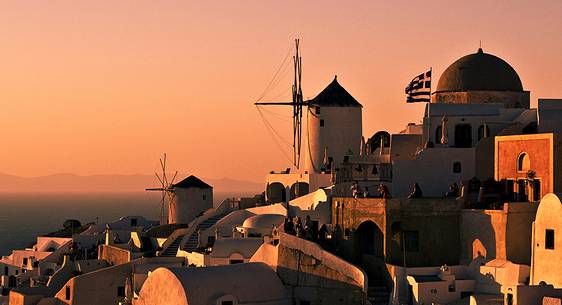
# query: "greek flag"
[[419, 89]]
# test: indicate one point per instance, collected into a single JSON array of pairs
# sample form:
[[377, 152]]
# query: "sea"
[[24, 216]]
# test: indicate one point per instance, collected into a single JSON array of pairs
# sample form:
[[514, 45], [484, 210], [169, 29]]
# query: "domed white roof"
[[247, 283], [263, 221]]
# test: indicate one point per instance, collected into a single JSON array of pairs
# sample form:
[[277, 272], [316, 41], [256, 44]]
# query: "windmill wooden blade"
[[162, 203], [164, 176], [173, 178], [159, 179]]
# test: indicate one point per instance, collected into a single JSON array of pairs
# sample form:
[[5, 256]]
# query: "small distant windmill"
[[167, 189]]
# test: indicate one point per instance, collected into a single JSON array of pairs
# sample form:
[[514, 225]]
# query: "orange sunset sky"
[[106, 87]]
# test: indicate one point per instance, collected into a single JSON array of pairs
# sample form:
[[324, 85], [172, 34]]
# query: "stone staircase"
[[172, 249], [378, 295], [193, 241]]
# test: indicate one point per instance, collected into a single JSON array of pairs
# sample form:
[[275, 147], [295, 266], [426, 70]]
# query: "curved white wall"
[[341, 132]]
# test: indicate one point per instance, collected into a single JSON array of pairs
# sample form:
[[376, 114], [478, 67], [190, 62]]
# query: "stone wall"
[[313, 274], [114, 255]]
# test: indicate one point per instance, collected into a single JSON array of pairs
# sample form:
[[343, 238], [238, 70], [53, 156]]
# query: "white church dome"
[[263, 221]]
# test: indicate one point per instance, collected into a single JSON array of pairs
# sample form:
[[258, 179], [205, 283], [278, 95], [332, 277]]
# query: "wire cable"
[[274, 133]]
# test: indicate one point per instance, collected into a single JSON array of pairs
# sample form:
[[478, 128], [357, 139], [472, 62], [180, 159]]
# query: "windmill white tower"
[[334, 128], [167, 189]]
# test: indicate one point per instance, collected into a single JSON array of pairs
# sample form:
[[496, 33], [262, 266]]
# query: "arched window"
[[523, 162], [298, 189], [236, 258], [483, 132], [438, 134]]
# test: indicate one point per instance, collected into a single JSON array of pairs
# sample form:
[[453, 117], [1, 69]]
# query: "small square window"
[[457, 167], [121, 291], [321, 123], [549, 239]]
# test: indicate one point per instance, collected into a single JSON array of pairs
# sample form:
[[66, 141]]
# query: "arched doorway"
[[369, 239], [375, 141], [299, 189], [276, 193], [463, 136], [369, 249]]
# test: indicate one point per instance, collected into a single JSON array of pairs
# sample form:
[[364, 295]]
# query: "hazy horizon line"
[[123, 175]]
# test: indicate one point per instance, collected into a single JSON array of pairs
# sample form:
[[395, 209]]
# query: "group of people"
[[295, 226], [356, 191], [307, 230], [416, 192], [452, 193]]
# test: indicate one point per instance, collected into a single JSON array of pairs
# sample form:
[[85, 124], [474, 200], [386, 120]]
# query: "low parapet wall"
[[114, 255], [335, 268], [303, 263]]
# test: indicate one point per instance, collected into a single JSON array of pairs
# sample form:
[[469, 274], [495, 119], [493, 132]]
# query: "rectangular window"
[[25, 260], [236, 261], [133, 222], [67, 293], [321, 123], [121, 291], [549, 239], [317, 110], [536, 190], [6, 270], [411, 241], [522, 190], [227, 303], [510, 189], [457, 167]]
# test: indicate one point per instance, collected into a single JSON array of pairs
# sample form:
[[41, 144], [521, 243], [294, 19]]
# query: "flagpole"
[[427, 106]]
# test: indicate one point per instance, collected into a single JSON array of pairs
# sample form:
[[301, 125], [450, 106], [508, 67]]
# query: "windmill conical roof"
[[334, 95], [192, 181]]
